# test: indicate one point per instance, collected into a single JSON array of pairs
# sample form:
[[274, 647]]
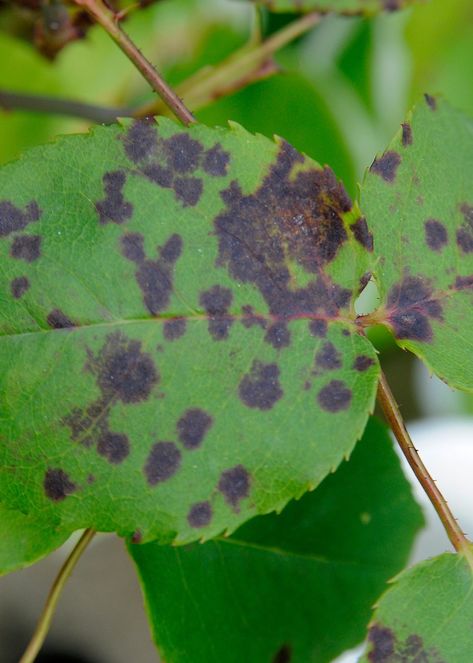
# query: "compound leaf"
[[178, 349], [418, 201], [426, 615], [295, 587]]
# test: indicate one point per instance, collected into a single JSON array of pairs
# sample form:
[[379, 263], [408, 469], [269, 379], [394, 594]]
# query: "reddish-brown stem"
[[108, 21], [394, 418]]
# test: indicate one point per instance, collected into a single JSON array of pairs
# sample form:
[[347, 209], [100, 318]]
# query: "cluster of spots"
[[294, 218], [57, 484], [465, 232], [386, 648], [114, 208], [27, 248], [436, 236], [260, 388], [411, 306], [406, 134], [283, 655], [362, 234], [216, 301], [171, 163], [386, 166], [154, 277]]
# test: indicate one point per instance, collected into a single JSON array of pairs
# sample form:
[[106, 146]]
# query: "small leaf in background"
[[418, 199], [178, 349], [296, 587], [25, 539], [426, 615], [368, 7]]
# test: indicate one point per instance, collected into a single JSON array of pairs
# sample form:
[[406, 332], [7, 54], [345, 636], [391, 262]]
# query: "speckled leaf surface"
[[177, 349], [418, 200], [426, 615], [368, 7], [296, 587], [25, 539]]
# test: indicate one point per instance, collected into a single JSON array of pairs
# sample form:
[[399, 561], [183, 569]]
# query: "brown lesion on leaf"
[[193, 426], [162, 463], [200, 514], [26, 247], [387, 647], [114, 208], [328, 358], [363, 363], [335, 396], [56, 319], [174, 328], [234, 484], [294, 219], [386, 166], [362, 234], [19, 286], [216, 301], [465, 232], [411, 305], [57, 484], [406, 134], [154, 277], [13, 219], [436, 235], [260, 388], [463, 282]]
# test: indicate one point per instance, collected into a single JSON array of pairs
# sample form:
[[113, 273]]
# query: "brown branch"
[[102, 15], [394, 418]]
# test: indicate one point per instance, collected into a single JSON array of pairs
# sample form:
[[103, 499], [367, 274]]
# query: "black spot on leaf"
[[283, 655], [162, 463], [216, 161], [406, 134], [386, 166], [19, 286], [386, 647], [362, 234], [114, 208], [193, 426], [435, 234], [188, 190], [251, 319], [318, 328], [154, 277], [140, 140], [137, 536], [13, 219], [174, 328], [411, 305], [464, 282], [58, 320], [335, 396], [216, 303], [234, 484], [26, 247], [382, 640], [115, 447], [431, 101], [362, 363], [183, 153], [465, 233], [57, 484], [260, 388], [278, 335], [328, 357], [391, 5], [200, 514]]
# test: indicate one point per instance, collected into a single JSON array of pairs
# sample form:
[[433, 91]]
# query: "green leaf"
[[368, 7], [418, 201], [25, 539], [177, 329], [299, 585], [426, 615]]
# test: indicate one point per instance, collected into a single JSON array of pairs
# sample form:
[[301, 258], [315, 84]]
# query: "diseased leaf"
[[25, 539], [177, 329], [368, 7], [296, 587], [426, 615], [418, 200]]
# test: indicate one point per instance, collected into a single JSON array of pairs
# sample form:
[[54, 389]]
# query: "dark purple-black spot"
[[234, 484], [328, 358], [136, 537], [435, 234], [140, 140], [162, 463], [431, 101], [283, 655], [188, 190], [362, 363], [123, 370], [59, 320], [411, 305], [19, 286], [278, 335], [391, 5], [115, 447], [200, 514], [464, 282], [386, 166], [362, 234], [318, 328], [13, 219], [26, 247], [114, 208], [183, 153], [216, 161], [132, 245], [382, 640], [161, 176], [260, 388], [252, 319], [335, 396], [216, 303], [174, 328], [406, 134], [193, 426], [57, 484], [465, 233]]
